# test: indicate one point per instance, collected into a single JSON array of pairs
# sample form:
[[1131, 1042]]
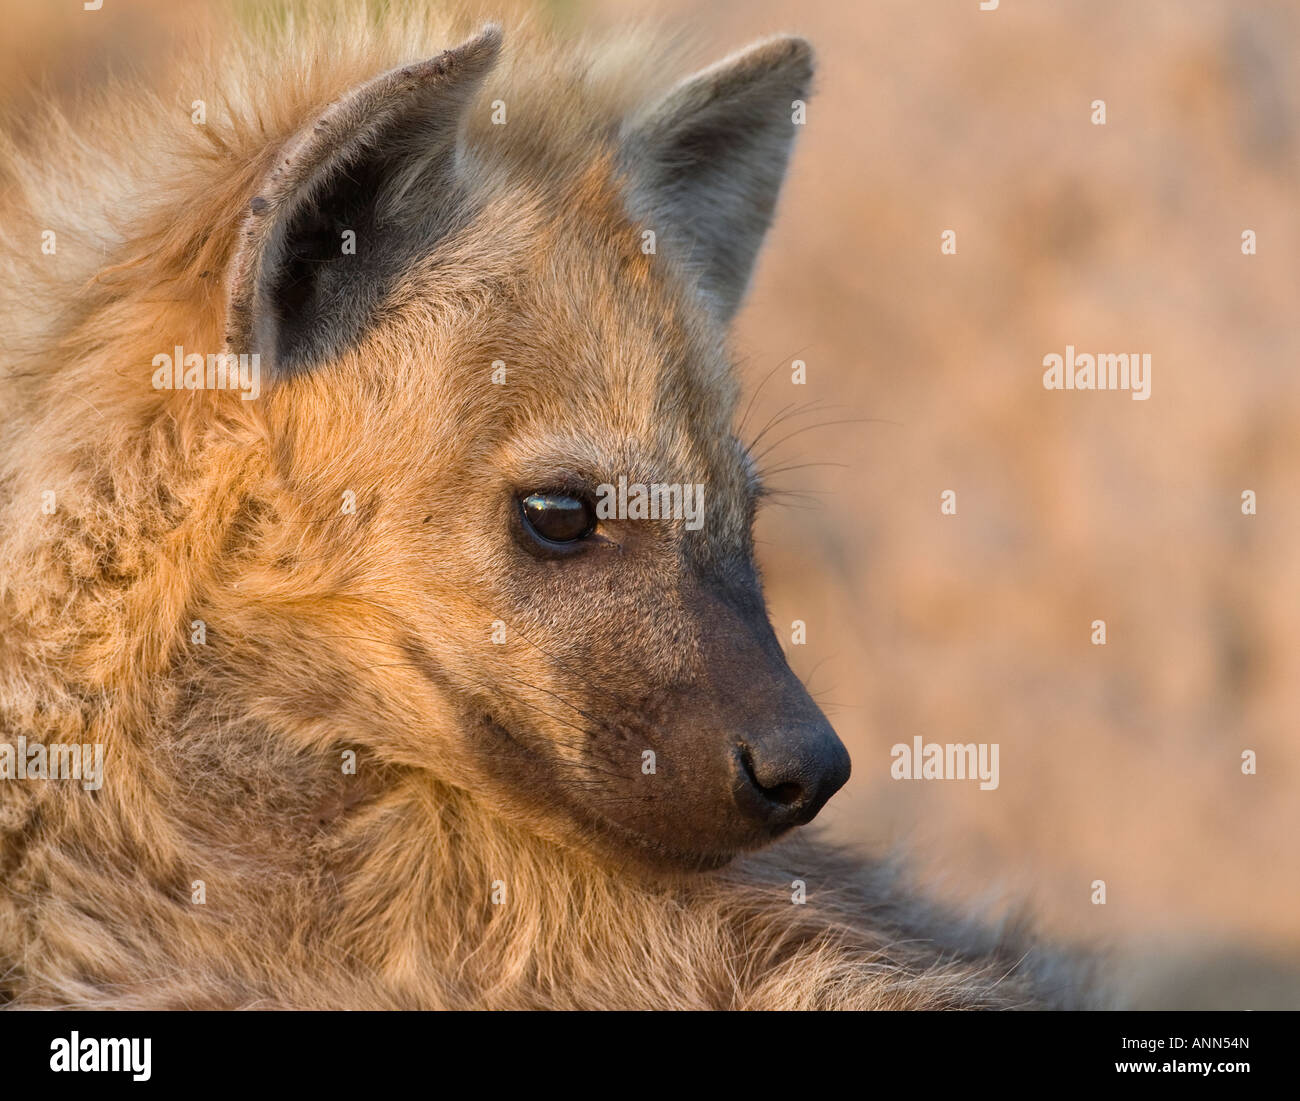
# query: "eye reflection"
[[557, 517]]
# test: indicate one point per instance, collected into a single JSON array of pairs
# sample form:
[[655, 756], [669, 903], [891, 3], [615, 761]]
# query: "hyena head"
[[480, 315]]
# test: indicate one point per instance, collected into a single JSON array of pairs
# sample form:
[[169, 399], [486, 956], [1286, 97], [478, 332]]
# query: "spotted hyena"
[[372, 499]]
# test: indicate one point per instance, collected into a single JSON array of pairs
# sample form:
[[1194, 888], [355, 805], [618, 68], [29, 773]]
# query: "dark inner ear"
[[379, 162], [322, 297]]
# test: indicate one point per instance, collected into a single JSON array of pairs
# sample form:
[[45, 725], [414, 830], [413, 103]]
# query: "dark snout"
[[785, 775], [742, 753], [783, 758]]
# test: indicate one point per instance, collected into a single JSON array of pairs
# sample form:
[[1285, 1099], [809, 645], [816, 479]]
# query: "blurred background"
[[1119, 762]]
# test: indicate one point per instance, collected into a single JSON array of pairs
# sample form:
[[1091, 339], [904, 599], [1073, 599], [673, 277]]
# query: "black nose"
[[784, 778]]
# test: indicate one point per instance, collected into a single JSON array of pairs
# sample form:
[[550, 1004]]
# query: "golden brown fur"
[[330, 631]]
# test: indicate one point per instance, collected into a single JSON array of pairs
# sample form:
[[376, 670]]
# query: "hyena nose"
[[785, 778]]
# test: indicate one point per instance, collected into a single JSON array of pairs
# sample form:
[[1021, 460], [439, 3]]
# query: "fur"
[[369, 632]]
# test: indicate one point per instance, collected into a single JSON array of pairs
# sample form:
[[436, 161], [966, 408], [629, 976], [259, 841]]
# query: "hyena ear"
[[350, 196], [707, 161]]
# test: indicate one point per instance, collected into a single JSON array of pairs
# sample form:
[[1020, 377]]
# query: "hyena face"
[[549, 562]]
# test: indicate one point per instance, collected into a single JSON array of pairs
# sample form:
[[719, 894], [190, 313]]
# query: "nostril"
[[786, 778], [785, 794]]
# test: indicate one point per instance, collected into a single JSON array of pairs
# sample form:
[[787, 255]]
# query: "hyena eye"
[[557, 517]]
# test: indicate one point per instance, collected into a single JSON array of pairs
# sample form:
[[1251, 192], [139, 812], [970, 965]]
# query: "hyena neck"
[[276, 882], [540, 925]]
